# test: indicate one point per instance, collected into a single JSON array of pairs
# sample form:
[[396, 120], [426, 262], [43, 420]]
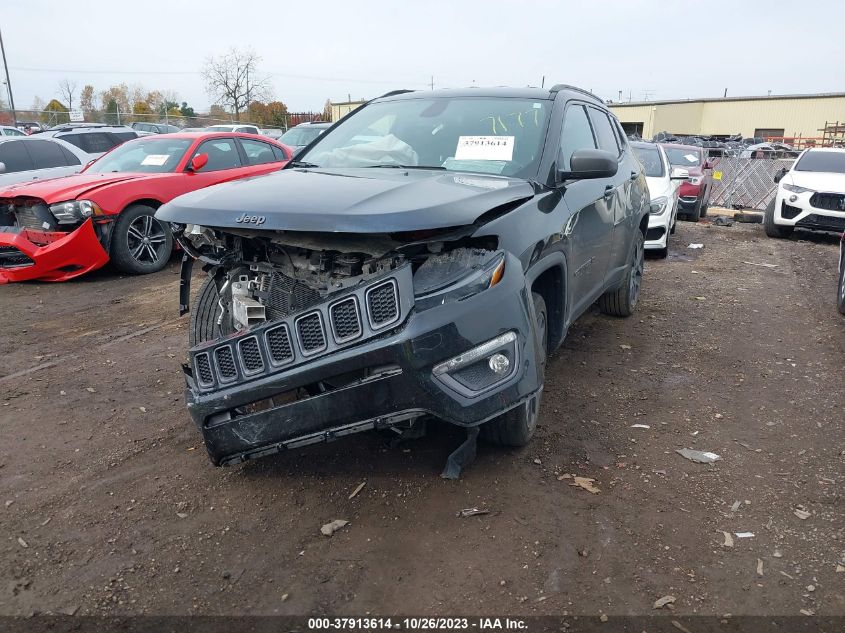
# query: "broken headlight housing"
[[456, 275], [74, 211]]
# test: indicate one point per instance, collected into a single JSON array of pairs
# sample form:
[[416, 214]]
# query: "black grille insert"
[[346, 322], [204, 374], [383, 304], [225, 363], [312, 335], [828, 201], [11, 257], [278, 342], [250, 355], [287, 296], [821, 223], [789, 212]]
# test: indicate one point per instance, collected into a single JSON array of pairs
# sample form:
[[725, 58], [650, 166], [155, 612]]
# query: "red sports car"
[[61, 228]]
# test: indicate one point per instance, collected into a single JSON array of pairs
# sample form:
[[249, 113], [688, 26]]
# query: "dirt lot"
[[112, 507]]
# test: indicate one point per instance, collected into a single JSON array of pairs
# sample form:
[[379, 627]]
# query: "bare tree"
[[233, 80], [67, 89]]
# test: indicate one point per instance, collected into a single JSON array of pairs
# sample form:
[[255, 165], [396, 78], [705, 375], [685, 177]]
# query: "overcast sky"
[[334, 49]]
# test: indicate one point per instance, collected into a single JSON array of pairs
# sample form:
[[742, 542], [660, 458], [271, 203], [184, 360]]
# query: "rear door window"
[[257, 152], [96, 142], [14, 156], [45, 154]]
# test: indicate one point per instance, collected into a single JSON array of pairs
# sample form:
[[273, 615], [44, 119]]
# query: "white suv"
[[810, 195]]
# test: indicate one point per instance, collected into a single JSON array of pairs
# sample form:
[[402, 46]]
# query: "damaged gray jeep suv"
[[419, 259]]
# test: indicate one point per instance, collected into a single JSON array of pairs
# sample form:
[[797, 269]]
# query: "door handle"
[[633, 175], [608, 191]]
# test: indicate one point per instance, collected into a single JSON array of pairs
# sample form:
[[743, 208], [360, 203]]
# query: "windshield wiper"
[[394, 166], [301, 163]]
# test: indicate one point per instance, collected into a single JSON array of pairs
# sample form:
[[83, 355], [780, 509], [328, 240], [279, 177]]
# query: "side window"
[[279, 153], [15, 157], [604, 132], [257, 152], [10, 131], [96, 142], [73, 139], [576, 133], [45, 154], [620, 133], [70, 157], [222, 154]]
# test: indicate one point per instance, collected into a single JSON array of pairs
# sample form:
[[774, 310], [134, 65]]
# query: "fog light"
[[793, 198], [499, 363]]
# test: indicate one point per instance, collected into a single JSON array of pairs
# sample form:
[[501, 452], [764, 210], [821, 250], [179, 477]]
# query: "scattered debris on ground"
[[330, 528], [700, 457]]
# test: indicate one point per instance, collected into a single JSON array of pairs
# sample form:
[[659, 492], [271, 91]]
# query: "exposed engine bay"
[[269, 275]]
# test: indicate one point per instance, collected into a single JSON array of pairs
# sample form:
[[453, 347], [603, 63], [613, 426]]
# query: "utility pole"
[[8, 83], [432, 82], [543, 82]]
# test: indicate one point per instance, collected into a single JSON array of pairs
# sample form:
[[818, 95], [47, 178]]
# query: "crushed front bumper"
[[394, 376], [49, 255]]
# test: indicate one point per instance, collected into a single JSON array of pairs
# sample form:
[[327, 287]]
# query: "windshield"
[[650, 158], [477, 134], [682, 156], [152, 155], [301, 135], [220, 128], [830, 162]]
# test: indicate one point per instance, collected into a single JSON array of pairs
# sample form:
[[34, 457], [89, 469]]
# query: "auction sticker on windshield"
[[484, 148], [156, 160]]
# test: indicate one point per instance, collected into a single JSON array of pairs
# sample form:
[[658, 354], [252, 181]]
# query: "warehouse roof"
[[821, 95]]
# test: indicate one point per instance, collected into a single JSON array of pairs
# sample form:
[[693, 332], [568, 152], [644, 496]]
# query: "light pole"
[[8, 83]]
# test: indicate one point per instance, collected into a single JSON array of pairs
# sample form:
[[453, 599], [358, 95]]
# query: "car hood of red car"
[[68, 187]]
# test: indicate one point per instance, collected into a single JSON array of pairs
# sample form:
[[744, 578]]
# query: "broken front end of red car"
[[51, 242]]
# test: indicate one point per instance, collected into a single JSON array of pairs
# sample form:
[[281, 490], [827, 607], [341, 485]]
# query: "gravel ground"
[[111, 507]]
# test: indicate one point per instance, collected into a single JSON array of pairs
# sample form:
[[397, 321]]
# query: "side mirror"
[[679, 173], [2, 168], [589, 163], [198, 162], [780, 174]]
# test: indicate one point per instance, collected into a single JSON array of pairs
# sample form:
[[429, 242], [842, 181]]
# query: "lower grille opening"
[[788, 212], [11, 257], [655, 233], [312, 390]]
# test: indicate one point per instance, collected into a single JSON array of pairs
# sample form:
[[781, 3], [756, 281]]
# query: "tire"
[[661, 253], [516, 427], [204, 314], [140, 244], [772, 229], [623, 301], [840, 299]]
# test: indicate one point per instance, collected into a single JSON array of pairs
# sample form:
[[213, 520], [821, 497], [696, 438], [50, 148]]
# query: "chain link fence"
[[745, 183]]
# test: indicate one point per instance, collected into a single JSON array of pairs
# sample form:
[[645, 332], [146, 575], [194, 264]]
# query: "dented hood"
[[363, 200], [66, 188]]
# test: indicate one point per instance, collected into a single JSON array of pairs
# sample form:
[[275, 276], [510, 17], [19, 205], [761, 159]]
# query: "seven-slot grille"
[[225, 363], [383, 304], [250, 355], [319, 330], [278, 342], [312, 335], [346, 322], [828, 201]]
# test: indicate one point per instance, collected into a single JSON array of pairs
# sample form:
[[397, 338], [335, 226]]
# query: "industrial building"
[[798, 117]]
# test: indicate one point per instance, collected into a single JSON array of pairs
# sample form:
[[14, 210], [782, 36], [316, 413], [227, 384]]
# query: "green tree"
[[187, 111], [111, 111], [55, 112]]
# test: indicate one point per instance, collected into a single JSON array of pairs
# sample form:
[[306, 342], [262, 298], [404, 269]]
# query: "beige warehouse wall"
[[803, 117], [340, 110], [796, 116]]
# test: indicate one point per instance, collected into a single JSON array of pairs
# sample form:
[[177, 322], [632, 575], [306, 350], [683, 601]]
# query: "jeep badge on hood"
[[251, 219]]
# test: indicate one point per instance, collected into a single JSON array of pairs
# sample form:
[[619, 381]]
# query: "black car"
[[419, 259]]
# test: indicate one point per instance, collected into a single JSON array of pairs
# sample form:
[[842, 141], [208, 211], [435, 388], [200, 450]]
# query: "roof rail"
[[394, 93], [558, 87]]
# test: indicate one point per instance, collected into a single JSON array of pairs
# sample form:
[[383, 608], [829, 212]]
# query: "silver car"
[[25, 158]]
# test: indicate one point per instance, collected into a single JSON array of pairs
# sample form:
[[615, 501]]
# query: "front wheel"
[[623, 301], [517, 426], [772, 229], [140, 244]]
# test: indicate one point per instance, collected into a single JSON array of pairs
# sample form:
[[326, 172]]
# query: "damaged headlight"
[[659, 205], [456, 275], [74, 211]]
